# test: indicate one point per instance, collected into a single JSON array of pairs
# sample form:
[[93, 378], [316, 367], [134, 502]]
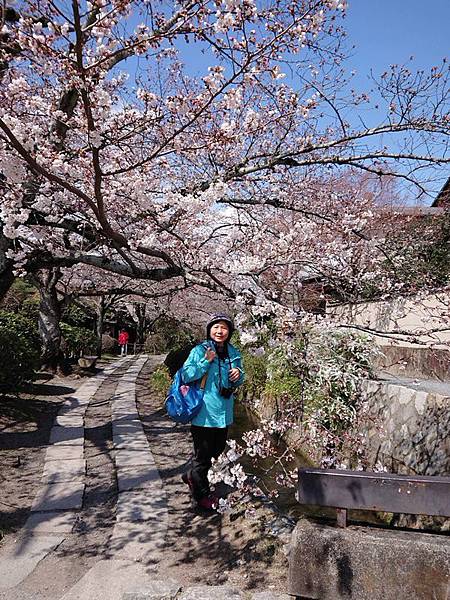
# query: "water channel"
[[266, 470]]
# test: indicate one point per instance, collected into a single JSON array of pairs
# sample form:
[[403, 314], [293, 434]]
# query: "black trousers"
[[209, 442]]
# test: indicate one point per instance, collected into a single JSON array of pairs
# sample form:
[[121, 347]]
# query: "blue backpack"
[[184, 401]]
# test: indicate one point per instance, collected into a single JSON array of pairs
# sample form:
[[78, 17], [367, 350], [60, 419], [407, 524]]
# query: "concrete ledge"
[[361, 563]]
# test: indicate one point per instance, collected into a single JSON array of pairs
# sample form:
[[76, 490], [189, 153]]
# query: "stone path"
[[53, 515], [141, 516], [141, 495]]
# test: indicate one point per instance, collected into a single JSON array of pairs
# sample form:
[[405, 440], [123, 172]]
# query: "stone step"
[[430, 386], [161, 590]]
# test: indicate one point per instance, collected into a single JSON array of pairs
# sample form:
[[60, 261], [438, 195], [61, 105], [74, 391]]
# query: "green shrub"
[[168, 334], [160, 380], [77, 340], [20, 342], [255, 375], [311, 382], [321, 372], [75, 317]]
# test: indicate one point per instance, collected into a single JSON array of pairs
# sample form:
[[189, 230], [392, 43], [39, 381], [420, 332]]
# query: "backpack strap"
[[203, 381], [205, 376]]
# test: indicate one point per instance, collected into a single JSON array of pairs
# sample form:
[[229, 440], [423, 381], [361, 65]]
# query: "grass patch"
[[160, 380]]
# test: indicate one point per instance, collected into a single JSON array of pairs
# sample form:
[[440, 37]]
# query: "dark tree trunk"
[[6, 276], [99, 324], [142, 323], [49, 319], [6, 265]]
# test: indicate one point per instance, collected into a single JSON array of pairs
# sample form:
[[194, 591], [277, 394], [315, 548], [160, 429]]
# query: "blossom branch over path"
[[135, 170]]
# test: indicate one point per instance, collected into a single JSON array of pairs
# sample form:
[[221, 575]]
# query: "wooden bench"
[[364, 490], [87, 362]]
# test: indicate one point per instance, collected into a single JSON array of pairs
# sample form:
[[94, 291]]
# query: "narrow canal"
[[267, 470]]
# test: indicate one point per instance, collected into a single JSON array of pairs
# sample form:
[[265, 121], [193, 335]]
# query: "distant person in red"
[[123, 342]]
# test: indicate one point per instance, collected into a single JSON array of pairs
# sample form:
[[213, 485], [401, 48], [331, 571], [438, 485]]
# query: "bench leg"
[[341, 516]]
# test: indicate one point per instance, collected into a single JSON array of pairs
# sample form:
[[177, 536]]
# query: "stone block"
[[126, 389], [67, 436], [358, 563], [110, 580], [69, 419], [56, 523], [138, 477], [407, 412], [77, 410], [130, 458], [123, 426], [404, 395], [421, 402], [124, 413], [84, 395], [211, 592], [141, 542], [59, 496], [64, 470], [141, 505], [63, 453], [270, 596], [159, 589], [20, 558], [131, 442], [124, 399]]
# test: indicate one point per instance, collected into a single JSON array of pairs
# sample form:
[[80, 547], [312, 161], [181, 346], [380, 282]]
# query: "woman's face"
[[220, 332]]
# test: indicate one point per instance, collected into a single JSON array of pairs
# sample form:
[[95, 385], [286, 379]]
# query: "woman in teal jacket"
[[222, 363]]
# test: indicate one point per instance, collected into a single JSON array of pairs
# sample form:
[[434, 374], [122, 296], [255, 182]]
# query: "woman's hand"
[[233, 375], [210, 355]]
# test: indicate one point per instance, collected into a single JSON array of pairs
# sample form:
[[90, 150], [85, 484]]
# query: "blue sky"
[[383, 32], [390, 31], [387, 32]]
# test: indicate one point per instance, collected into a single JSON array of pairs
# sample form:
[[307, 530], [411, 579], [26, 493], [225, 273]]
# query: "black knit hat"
[[215, 319]]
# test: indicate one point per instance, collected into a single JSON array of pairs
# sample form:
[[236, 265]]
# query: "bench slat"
[[362, 490]]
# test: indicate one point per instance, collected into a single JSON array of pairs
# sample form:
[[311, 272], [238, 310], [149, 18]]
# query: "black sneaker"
[[210, 502], [187, 479]]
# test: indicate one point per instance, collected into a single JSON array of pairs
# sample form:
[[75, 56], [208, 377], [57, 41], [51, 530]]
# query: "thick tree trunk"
[[49, 319], [6, 266], [99, 324], [142, 322]]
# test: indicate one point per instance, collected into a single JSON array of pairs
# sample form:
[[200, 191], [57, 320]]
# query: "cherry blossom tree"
[[115, 156], [95, 292]]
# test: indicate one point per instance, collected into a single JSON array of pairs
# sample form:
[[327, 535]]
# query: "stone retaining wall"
[[415, 435], [414, 361]]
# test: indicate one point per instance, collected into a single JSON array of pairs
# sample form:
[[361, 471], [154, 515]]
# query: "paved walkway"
[[141, 520]]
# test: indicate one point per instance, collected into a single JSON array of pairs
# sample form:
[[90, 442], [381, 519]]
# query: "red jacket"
[[123, 338]]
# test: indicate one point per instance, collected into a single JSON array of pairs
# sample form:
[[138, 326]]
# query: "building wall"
[[411, 320]]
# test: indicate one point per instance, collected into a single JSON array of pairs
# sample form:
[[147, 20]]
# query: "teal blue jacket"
[[216, 411]]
